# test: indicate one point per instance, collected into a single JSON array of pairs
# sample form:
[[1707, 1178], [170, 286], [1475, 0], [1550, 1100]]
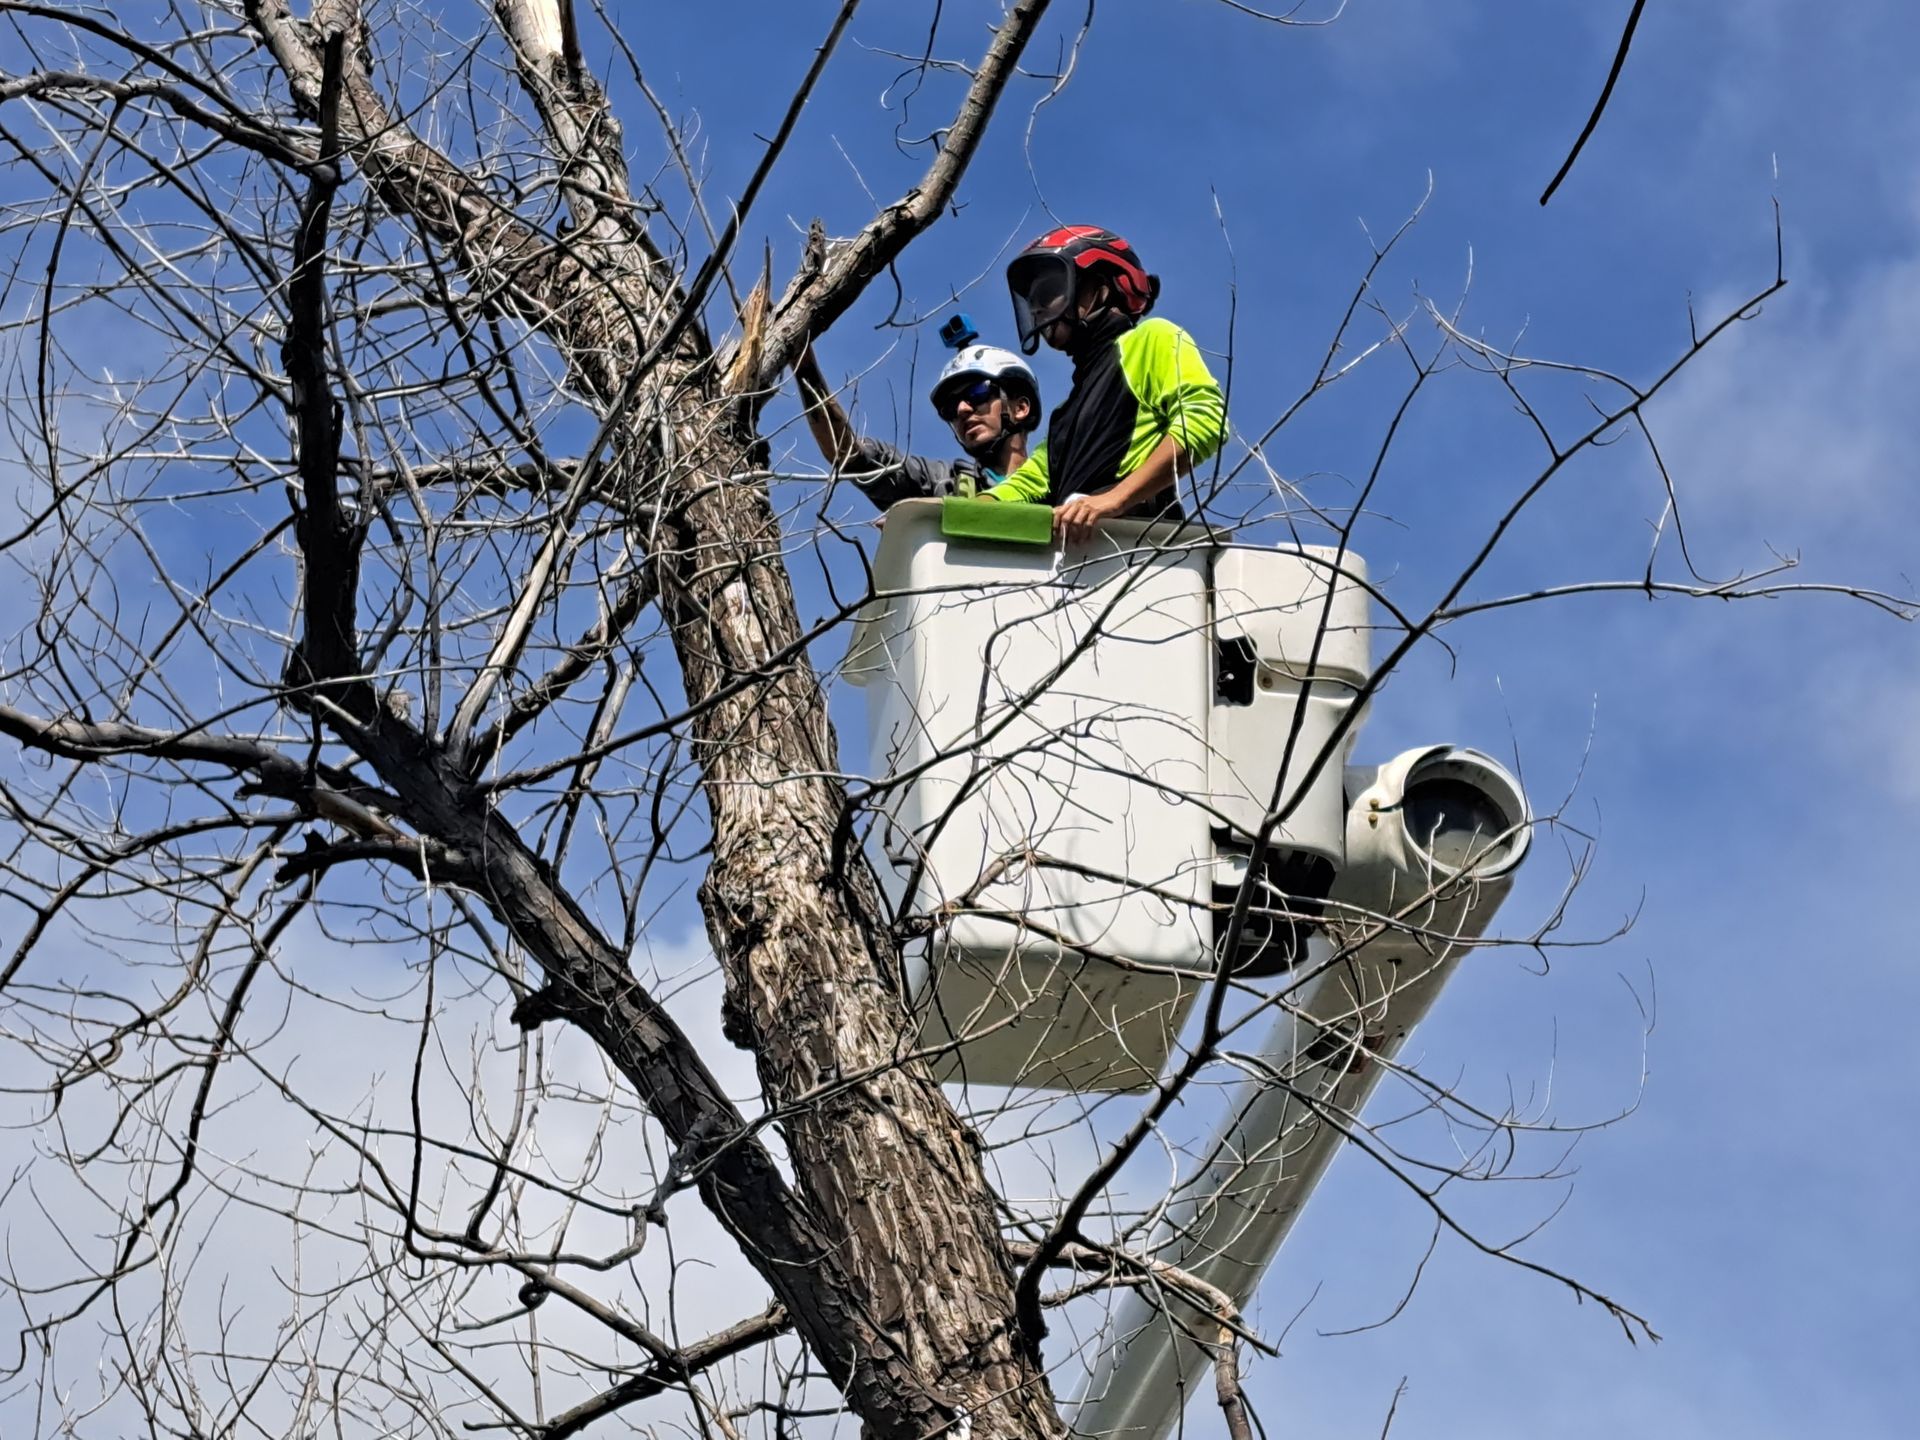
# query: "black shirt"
[[1088, 435]]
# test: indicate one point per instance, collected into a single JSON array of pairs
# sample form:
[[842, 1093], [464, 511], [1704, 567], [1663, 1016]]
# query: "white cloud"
[[353, 1057], [1797, 425]]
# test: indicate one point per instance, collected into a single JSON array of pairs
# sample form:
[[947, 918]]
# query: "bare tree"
[[399, 574]]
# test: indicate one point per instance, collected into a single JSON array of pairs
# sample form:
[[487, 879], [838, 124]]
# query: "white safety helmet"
[[989, 362]]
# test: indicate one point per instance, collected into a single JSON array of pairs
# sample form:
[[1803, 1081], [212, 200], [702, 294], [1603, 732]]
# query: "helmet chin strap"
[[984, 450], [1078, 324]]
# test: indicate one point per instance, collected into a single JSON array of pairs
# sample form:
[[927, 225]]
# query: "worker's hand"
[[1076, 520]]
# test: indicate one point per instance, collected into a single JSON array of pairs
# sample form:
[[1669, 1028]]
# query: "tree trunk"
[[812, 989], [909, 1290]]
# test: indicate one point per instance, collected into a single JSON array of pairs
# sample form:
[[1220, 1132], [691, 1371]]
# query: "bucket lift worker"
[[1144, 409], [988, 396]]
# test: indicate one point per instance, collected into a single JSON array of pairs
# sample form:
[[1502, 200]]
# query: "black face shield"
[[1043, 292]]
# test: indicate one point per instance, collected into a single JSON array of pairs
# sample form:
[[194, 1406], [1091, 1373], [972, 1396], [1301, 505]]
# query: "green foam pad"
[[996, 521]]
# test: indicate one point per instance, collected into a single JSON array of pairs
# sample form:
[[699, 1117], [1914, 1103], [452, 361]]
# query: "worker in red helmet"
[[1144, 408]]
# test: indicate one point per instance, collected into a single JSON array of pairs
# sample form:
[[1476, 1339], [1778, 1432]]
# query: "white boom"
[[1433, 840]]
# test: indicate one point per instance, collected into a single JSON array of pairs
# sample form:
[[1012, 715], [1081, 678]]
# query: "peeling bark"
[[811, 972], [887, 1252]]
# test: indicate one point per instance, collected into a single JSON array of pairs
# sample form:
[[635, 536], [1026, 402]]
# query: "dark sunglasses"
[[979, 393]]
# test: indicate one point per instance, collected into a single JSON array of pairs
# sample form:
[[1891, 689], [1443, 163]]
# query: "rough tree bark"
[[889, 1258]]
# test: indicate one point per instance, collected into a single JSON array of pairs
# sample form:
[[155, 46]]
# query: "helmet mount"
[[959, 331]]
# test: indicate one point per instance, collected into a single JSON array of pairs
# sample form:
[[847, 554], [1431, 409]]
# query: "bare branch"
[[1600, 105], [817, 300], [676, 1369]]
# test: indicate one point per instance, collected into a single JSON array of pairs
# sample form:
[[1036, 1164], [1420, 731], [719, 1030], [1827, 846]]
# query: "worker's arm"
[[1172, 377], [832, 431], [1154, 478], [883, 473], [1025, 486]]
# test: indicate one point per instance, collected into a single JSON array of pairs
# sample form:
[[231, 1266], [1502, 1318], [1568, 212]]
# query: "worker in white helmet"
[[988, 396]]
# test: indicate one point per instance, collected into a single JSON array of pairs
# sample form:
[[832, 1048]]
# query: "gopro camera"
[[959, 330]]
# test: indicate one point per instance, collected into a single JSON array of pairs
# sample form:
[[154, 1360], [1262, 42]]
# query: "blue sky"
[[1751, 771]]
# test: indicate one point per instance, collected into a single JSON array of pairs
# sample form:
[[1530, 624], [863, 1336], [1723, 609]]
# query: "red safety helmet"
[[1045, 277]]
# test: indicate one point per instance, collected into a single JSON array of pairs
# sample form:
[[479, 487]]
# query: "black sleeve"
[[886, 475]]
